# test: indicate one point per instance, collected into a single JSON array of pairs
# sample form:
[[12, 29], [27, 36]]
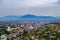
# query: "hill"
[[30, 17]]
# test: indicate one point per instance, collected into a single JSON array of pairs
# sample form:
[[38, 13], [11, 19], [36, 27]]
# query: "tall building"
[[8, 28]]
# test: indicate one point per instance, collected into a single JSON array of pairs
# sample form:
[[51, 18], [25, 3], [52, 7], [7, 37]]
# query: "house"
[[3, 37]]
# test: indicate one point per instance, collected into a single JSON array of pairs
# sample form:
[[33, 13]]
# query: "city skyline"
[[34, 7]]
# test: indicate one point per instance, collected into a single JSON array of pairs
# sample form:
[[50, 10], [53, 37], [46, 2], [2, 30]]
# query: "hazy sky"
[[35, 7]]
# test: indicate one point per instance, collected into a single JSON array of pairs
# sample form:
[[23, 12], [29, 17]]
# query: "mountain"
[[30, 17], [33, 16], [9, 18]]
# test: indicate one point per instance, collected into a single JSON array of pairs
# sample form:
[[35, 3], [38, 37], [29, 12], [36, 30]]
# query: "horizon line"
[[28, 14]]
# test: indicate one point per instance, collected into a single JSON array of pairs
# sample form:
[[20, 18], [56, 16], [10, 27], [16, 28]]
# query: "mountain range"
[[30, 17]]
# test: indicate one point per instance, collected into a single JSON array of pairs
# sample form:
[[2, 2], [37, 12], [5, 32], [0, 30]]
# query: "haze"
[[35, 7]]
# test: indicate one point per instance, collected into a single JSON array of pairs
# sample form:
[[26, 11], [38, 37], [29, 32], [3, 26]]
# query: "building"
[[8, 28], [3, 37]]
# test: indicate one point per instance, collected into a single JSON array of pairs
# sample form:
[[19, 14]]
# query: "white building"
[[3, 37], [8, 28]]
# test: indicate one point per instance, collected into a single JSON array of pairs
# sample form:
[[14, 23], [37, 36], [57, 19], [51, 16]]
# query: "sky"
[[35, 7]]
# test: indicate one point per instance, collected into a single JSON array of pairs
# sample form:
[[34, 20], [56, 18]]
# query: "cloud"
[[38, 2], [27, 3], [36, 7], [41, 11]]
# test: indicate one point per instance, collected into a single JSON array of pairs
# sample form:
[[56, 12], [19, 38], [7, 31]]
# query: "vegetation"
[[49, 31]]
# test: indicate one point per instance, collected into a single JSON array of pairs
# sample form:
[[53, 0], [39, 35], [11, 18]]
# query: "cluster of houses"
[[17, 30]]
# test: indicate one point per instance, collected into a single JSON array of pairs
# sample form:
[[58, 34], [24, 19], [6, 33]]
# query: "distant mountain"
[[36, 18], [9, 18], [33, 16], [30, 17]]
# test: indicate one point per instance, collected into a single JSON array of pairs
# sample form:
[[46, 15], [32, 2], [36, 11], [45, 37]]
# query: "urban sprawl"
[[29, 31]]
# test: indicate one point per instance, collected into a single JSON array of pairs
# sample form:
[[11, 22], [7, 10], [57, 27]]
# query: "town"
[[29, 19], [30, 31]]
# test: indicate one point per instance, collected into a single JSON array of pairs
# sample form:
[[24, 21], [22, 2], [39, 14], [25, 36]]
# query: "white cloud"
[[38, 2], [14, 7], [28, 3]]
